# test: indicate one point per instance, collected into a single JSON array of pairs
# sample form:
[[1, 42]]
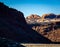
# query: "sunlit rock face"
[[13, 26], [33, 18], [49, 29]]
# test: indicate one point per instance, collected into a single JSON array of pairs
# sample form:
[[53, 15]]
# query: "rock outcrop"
[[58, 16], [50, 31], [48, 16], [13, 26], [33, 18]]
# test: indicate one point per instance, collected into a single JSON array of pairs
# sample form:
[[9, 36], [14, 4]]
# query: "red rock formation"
[[50, 30], [33, 18]]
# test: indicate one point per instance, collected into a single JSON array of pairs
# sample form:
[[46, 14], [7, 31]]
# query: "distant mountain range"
[[34, 18]]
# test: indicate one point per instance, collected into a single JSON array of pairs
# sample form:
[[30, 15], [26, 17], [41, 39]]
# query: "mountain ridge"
[[13, 26]]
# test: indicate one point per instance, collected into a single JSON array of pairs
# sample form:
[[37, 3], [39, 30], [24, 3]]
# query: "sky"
[[38, 7]]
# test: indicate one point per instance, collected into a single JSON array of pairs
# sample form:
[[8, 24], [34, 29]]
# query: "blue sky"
[[39, 7]]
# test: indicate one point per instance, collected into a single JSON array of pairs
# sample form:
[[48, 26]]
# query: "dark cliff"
[[13, 26]]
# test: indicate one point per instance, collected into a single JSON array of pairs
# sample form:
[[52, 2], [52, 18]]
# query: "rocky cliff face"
[[13, 26], [50, 30], [33, 18]]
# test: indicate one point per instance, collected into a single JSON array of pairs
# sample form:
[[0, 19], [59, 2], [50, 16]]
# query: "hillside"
[[48, 26], [14, 27]]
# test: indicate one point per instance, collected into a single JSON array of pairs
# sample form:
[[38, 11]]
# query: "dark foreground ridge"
[[13, 26]]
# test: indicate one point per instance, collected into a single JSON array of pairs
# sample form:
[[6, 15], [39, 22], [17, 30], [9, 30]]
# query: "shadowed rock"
[[58, 16], [13, 26], [49, 16]]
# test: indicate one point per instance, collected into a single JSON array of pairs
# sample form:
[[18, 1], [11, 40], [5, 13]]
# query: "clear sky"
[[34, 6]]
